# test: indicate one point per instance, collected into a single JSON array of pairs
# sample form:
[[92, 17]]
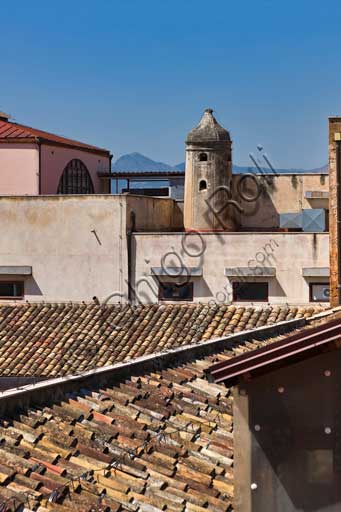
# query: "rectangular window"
[[174, 291], [319, 292], [255, 292], [11, 289]]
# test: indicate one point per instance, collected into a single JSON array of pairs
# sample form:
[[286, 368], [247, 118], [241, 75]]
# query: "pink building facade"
[[33, 162]]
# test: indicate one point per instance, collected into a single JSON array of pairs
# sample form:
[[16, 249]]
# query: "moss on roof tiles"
[[58, 339]]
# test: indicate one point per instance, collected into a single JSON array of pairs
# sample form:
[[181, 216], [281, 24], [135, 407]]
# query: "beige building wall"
[[76, 245], [19, 168], [151, 213], [213, 252], [282, 194], [78, 248]]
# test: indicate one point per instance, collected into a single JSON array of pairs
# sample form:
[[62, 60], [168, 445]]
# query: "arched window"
[[75, 179], [203, 157], [202, 185]]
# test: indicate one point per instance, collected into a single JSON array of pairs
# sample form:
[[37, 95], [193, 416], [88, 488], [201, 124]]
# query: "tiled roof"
[[297, 346], [162, 441], [10, 132], [55, 340]]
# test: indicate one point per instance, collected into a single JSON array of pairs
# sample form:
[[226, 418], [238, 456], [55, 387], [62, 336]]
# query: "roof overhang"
[[293, 348], [13, 270], [242, 272], [176, 271], [41, 140]]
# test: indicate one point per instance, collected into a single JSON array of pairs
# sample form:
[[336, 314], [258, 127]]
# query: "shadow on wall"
[[201, 289], [254, 196], [276, 289], [32, 287]]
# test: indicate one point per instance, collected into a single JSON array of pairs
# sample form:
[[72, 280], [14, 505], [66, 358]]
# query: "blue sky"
[[135, 75]]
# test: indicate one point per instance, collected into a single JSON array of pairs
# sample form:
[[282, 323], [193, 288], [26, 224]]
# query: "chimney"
[[4, 117], [335, 210]]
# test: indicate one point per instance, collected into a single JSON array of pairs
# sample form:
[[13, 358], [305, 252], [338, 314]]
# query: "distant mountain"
[[134, 162], [321, 170], [137, 162]]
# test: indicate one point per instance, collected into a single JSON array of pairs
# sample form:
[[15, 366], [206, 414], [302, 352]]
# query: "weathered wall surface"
[[75, 245], [19, 169], [215, 173], [287, 252], [153, 214], [54, 159], [334, 212], [282, 194]]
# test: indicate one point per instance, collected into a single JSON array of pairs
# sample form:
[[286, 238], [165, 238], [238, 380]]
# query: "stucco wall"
[[54, 159], [19, 169], [76, 245], [153, 213], [282, 194], [288, 252]]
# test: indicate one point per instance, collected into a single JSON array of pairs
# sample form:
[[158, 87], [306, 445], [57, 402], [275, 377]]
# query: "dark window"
[[11, 289], [203, 157], [250, 291], [319, 292], [75, 179], [158, 192], [174, 291], [202, 185]]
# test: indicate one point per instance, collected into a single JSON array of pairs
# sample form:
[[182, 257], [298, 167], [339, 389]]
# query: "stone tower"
[[208, 176]]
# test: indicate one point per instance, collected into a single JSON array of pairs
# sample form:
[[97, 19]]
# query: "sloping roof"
[[295, 347], [162, 441], [14, 132], [59, 339]]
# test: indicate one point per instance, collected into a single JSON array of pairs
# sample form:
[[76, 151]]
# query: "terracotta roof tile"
[[10, 131], [160, 441], [50, 340]]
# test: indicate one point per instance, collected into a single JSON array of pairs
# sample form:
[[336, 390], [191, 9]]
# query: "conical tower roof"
[[208, 130]]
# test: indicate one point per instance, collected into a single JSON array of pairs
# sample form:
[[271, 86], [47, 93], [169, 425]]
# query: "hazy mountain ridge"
[[134, 162], [137, 162]]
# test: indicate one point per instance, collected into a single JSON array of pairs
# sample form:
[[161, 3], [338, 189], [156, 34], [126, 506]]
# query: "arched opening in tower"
[[202, 185], [203, 157]]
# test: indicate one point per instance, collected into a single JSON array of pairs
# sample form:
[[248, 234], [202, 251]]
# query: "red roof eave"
[[16, 133], [278, 352]]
